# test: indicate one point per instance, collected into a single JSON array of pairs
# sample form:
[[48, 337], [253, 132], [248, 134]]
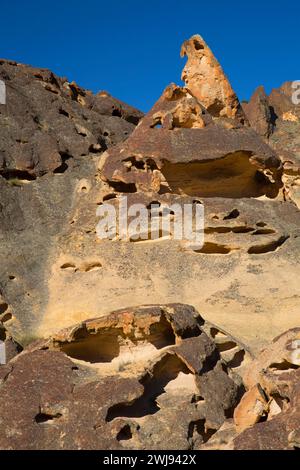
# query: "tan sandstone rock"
[[251, 408], [205, 79]]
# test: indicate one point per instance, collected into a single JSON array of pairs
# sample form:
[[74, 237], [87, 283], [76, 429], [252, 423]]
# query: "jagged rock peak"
[[206, 80]]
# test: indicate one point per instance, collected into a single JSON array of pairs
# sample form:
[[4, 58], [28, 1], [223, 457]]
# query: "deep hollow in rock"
[[210, 248], [268, 247], [232, 177], [94, 348], [164, 371]]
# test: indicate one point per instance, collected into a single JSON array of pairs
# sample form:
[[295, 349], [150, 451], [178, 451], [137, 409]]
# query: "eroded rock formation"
[[192, 155], [124, 379], [205, 79], [276, 371], [277, 117]]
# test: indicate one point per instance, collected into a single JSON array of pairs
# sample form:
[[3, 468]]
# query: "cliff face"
[[64, 153], [277, 118]]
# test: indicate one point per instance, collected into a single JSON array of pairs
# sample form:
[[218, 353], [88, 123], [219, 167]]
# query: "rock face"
[[121, 381], [205, 79], [285, 138], [56, 271], [192, 155], [276, 370], [277, 118], [52, 123], [259, 114], [51, 134], [157, 376]]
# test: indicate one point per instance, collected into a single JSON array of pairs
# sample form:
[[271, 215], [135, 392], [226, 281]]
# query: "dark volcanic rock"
[[139, 378], [277, 118], [8, 347], [259, 113], [49, 123], [282, 103], [277, 372]]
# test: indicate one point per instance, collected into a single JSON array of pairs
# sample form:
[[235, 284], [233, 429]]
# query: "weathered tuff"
[[126, 379], [57, 272], [193, 155]]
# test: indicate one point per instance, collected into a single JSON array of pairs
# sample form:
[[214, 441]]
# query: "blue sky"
[[131, 48]]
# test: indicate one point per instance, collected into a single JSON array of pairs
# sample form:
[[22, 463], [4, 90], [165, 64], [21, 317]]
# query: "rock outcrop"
[[157, 376], [52, 124], [205, 79], [121, 381], [192, 155], [56, 271], [277, 118], [259, 113], [276, 371]]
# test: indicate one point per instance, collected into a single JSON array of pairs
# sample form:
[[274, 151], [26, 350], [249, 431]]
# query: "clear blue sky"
[[131, 48]]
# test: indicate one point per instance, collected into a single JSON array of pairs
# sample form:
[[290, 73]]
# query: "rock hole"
[[6, 317], [261, 224], [117, 112], [92, 267], [226, 346], [45, 417], [96, 148], [264, 231], [154, 383], [68, 266], [234, 214], [63, 112], [161, 334], [268, 247], [108, 197], [237, 359], [214, 332], [197, 430], [197, 399], [3, 308], [284, 365], [197, 44], [122, 187], [233, 176], [241, 229], [95, 348], [124, 434], [64, 166], [16, 176], [210, 248], [138, 164]]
